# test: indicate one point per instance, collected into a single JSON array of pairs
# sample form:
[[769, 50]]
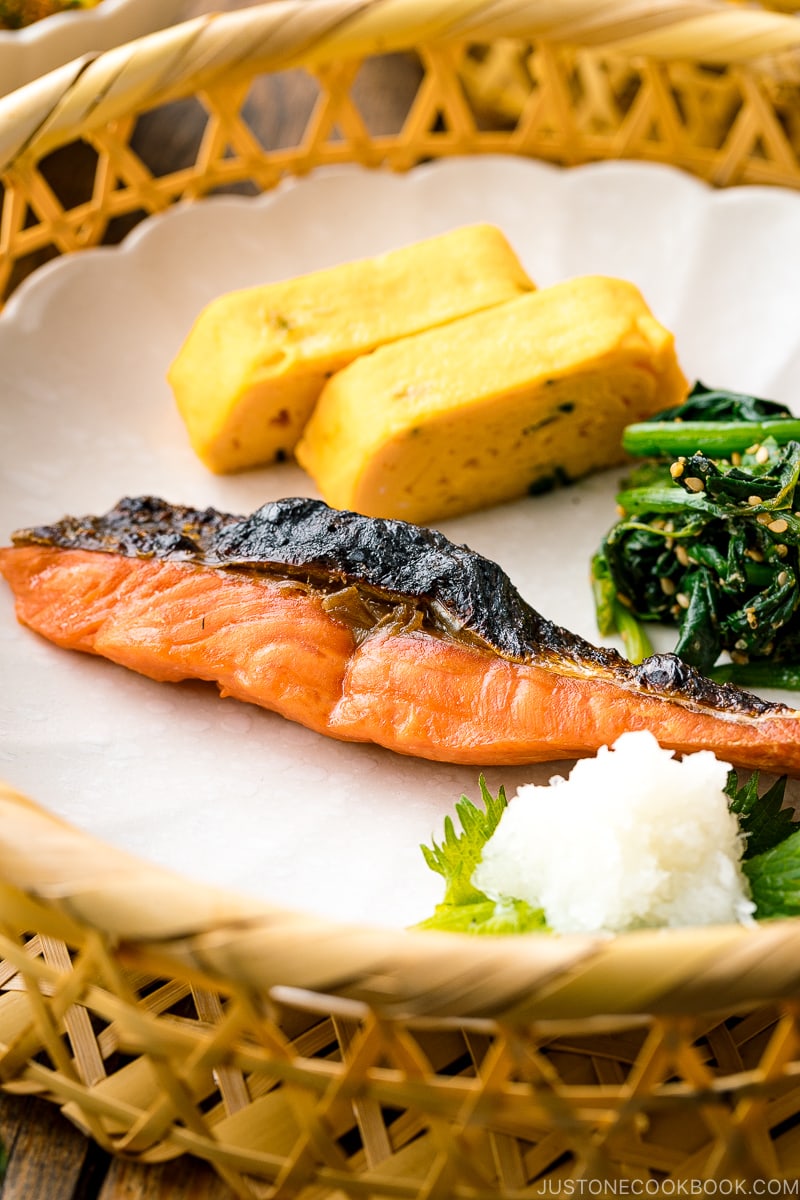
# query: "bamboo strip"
[[302, 1056], [195, 55]]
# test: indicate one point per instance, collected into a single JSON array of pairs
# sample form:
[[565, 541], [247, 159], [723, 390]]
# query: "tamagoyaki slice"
[[254, 363], [499, 404]]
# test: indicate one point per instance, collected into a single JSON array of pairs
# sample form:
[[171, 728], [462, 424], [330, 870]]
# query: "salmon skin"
[[366, 630]]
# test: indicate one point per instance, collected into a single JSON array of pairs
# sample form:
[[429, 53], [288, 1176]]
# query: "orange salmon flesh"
[[272, 642]]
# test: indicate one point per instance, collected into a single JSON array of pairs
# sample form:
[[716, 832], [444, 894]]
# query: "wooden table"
[[48, 1158]]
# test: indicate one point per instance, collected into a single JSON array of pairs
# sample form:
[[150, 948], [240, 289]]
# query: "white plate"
[[224, 792], [27, 53]]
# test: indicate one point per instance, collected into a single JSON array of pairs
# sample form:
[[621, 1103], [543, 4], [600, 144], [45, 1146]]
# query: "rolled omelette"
[[249, 373], [530, 393]]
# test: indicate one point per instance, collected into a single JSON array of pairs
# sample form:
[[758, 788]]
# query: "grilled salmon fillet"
[[365, 630]]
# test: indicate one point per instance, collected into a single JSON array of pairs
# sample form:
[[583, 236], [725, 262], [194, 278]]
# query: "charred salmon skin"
[[365, 630]]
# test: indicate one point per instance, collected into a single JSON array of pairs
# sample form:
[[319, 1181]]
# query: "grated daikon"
[[634, 837]]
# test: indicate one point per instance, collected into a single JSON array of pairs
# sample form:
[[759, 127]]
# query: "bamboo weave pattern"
[[298, 1059], [708, 86], [151, 1013]]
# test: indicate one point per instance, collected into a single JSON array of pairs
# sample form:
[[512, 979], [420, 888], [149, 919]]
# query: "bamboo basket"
[[306, 1059]]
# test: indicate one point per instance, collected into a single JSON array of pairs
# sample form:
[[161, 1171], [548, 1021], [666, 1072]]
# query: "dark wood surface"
[[47, 1157], [50, 1159]]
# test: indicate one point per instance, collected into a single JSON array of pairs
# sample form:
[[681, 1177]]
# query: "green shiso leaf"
[[457, 856], [487, 916], [772, 855], [771, 861], [465, 909], [774, 879], [762, 818]]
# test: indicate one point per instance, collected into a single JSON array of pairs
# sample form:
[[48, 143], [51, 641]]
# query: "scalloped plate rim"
[[100, 266]]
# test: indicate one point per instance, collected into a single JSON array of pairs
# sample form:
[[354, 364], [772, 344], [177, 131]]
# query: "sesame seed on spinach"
[[708, 539]]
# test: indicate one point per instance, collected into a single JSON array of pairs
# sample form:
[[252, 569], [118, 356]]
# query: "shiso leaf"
[[771, 861], [457, 856], [772, 855], [487, 916], [774, 878], [465, 909], [763, 819]]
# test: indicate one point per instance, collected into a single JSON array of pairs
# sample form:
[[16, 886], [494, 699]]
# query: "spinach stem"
[[666, 438], [634, 636], [759, 675]]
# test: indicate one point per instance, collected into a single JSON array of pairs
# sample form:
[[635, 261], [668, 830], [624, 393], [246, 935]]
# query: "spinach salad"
[[707, 539]]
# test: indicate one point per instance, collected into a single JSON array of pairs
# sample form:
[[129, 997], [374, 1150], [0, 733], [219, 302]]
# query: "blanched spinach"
[[709, 540]]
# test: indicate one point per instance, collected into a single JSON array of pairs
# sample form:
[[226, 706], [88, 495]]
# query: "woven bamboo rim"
[[707, 85], [653, 1057], [305, 1058], [164, 921], [194, 56]]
